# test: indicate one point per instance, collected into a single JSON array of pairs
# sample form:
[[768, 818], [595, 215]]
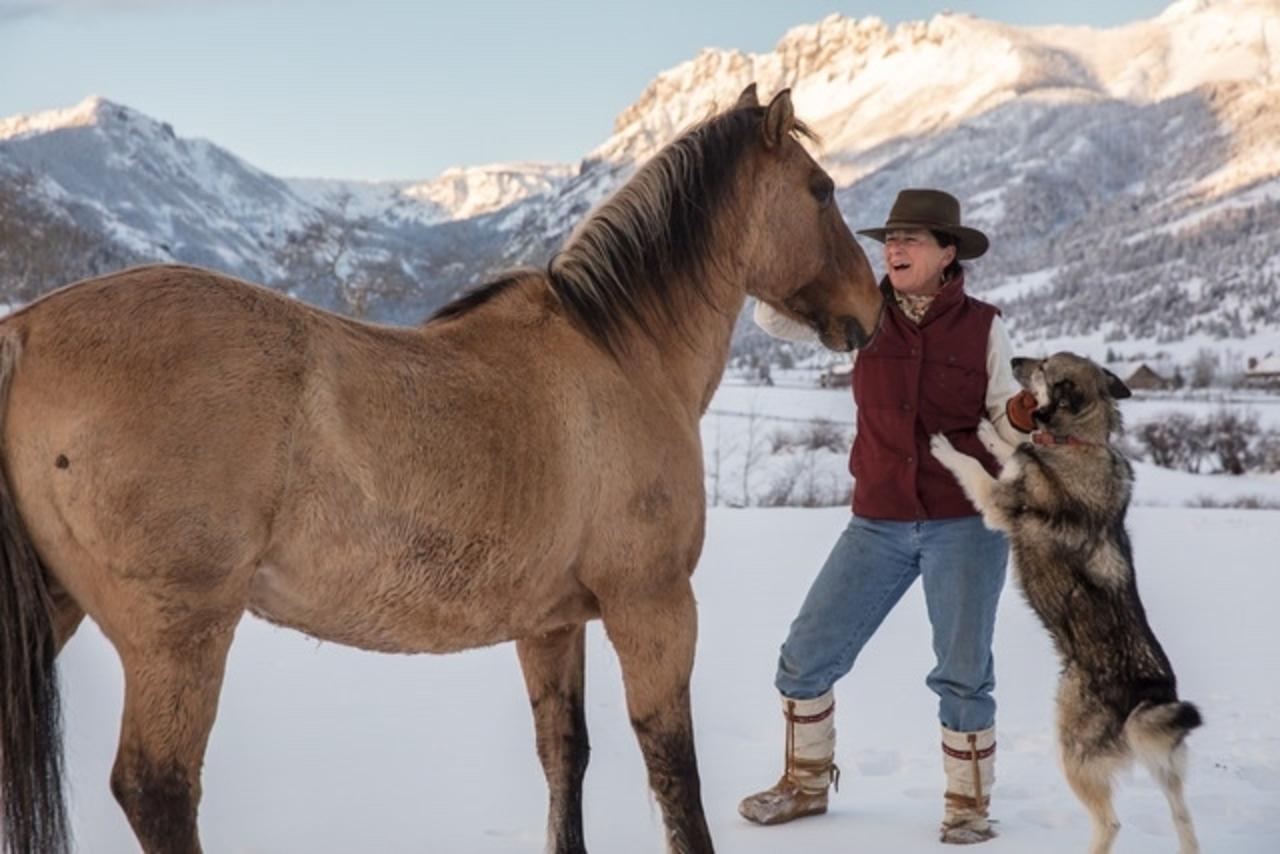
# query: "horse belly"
[[419, 610]]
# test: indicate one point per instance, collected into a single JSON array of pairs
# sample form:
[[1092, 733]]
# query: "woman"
[[940, 363]]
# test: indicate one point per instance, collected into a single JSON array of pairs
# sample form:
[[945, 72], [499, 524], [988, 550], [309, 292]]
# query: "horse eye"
[[822, 188]]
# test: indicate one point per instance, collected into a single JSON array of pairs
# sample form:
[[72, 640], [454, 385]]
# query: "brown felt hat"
[[936, 211]]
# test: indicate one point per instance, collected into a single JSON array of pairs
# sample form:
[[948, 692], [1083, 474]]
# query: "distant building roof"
[[1270, 364], [1125, 370]]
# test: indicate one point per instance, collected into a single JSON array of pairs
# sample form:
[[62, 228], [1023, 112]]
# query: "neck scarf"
[[915, 306]]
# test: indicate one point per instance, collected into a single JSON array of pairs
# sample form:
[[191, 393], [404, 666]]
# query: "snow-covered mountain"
[[132, 183], [120, 173], [457, 193], [1129, 177], [860, 83]]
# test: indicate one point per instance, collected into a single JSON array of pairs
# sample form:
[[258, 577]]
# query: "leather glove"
[[1020, 408]]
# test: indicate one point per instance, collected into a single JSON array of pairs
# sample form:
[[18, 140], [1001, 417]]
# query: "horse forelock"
[[623, 267]]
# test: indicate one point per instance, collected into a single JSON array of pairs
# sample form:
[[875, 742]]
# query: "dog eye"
[[1065, 392]]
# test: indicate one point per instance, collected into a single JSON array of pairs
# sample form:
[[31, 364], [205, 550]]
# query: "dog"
[[1062, 499]]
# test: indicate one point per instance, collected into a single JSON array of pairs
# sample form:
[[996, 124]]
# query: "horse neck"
[[689, 361]]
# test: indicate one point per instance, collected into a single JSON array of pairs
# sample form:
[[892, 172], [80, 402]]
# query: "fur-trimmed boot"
[[970, 762], [809, 766]]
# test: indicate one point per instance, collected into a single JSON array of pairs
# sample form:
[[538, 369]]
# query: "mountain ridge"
[[1078, 149]]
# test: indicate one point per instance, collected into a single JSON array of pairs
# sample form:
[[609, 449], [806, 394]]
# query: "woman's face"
[[915, 261]]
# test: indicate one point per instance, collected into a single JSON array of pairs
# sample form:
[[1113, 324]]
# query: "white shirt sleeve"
[[779, 325], [1001, 384]]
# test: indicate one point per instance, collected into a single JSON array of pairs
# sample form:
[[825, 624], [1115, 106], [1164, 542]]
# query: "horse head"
[[804, 261]]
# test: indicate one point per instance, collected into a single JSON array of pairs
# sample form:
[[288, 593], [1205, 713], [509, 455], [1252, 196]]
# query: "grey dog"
[[1062, 500]]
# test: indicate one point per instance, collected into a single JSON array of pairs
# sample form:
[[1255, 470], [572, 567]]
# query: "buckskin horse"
[[180, 447]]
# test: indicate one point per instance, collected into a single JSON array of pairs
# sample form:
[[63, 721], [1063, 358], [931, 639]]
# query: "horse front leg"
[[654, 636], [553, 666]]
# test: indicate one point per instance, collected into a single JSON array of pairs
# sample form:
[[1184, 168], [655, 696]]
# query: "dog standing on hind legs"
[[1062, 500]]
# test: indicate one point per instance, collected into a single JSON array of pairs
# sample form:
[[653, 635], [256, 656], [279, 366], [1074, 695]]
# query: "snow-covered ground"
[[319, 748], [738, 432]]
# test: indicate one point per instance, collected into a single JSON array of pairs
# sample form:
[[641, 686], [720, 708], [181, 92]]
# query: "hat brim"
[[970, 243]]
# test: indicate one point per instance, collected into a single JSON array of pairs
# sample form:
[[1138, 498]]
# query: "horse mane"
[[480, 295], [618, 269]]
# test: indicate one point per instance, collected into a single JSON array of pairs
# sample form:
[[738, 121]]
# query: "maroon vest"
[[909, 383]]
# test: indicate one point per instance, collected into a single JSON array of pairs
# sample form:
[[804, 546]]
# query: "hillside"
[[1129, 177]]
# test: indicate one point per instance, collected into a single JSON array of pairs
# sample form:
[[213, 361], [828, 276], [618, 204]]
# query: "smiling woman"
[[940, 363]]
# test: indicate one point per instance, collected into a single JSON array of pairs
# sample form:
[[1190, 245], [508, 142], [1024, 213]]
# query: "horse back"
[[174, 429], [144, 427]]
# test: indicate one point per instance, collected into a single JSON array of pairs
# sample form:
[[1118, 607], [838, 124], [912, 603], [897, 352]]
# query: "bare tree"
[[323, 254], [1204, 368], [804, 483], [371, 281], [717, 459], [1230, 437], [40, 250], [753, 453], [1174, 440], [1233, 442]]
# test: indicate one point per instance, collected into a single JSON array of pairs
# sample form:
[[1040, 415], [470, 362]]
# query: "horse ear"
[[779, 119], [1116, 387], [748, 98]]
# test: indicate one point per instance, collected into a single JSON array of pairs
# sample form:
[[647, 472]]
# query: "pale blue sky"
[[383, 89]]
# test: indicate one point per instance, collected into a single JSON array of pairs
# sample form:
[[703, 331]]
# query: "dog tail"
[[1156, 732]]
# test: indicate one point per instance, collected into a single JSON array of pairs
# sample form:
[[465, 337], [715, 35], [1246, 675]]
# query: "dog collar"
[[1043, 438]]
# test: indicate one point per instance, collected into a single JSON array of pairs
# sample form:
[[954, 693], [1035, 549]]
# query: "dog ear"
[[1116, 387]]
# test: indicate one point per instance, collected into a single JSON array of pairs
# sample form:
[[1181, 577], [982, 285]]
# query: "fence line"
[[791, 420]]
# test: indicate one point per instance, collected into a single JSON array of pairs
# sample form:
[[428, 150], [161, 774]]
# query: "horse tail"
[[35, 815]]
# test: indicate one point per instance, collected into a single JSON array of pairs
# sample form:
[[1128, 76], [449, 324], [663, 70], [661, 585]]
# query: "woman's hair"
[[955, 268]]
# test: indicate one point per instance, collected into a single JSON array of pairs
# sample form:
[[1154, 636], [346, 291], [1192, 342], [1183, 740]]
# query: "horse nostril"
[[853, 334]]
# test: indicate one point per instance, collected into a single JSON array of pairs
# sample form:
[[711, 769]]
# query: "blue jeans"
[[871, 566]]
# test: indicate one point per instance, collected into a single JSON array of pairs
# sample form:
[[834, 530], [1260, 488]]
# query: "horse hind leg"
[[553, 666], [654, 636], [172, 685]]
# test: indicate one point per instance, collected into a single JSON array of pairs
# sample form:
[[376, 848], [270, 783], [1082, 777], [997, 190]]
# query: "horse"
[[179, 447]]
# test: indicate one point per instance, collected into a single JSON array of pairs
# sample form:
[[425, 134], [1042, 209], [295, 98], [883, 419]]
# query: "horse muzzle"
[[855, 335]]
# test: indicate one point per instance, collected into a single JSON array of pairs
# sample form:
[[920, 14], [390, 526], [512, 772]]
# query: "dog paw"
[[942, 448], [991, 440]]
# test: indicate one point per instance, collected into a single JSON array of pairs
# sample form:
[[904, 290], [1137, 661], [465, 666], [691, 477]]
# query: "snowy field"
[[323, 749]]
